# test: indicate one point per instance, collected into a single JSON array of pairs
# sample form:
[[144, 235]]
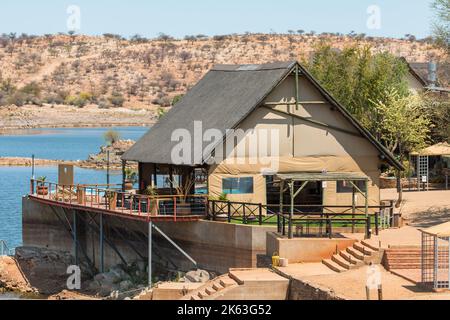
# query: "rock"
[[198, 276], [125, 285]]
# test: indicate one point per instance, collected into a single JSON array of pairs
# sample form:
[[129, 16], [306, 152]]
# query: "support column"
[[150, 226], [367, 210], [102, 262], [279, 220], [448, 240], [75, 239], [124, 165], [291, 214]]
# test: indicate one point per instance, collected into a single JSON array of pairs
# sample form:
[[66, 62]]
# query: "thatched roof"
[[441, 231], [440, 149], [222, 100]]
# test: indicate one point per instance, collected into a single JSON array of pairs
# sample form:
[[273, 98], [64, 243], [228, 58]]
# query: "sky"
[[390, 18]]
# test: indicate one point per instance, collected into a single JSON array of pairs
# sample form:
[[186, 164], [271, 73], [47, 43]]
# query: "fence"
[[113, 200], [322, 219]]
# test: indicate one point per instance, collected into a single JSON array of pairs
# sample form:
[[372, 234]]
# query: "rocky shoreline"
[[95, 161], [40, 273], [62, 116]]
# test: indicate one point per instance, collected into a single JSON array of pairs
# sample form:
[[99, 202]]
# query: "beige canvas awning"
[[441, 231], [440, 149], [329, 176]]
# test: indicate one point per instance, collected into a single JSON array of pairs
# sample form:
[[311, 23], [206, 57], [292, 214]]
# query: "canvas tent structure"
[[299, 128], [431, 162], [435, 257]]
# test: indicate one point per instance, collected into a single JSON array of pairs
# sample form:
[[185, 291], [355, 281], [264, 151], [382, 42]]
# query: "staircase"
[[212, 288], [403, 259], [353, 257]]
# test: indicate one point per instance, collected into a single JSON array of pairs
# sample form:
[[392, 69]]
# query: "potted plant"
[[42, 189], [183, 191], [151, 192], [111, 198], [131, 178]]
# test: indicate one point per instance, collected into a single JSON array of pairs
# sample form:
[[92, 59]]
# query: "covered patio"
[[296, 182]]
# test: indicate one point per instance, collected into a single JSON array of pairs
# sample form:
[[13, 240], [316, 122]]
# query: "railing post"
[[229, 211], [377, 231], [260, 214], [368, 227], [391, 214], [213, 209], [175, 208], [244, 211]]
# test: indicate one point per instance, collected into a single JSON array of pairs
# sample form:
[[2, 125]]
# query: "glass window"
[[347, 187], [237, 185]]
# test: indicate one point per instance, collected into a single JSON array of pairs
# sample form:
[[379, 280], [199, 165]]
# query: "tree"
[[441, 25], [404, 121], [111, 137], [355, 77]]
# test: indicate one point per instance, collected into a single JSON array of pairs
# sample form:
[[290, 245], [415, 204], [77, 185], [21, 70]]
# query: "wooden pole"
[[291, 214], [150, 281]]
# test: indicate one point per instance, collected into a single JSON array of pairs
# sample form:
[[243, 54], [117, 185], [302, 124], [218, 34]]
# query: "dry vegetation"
[[110, 71]]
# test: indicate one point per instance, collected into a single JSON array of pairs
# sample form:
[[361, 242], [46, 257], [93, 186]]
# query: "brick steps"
[[351, 258], [403, 259], [211, 288]]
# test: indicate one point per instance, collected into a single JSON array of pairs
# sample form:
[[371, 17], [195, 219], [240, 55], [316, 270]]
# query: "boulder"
[[197, 276]]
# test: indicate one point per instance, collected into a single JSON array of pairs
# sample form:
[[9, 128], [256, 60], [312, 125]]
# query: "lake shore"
[[14, 118]]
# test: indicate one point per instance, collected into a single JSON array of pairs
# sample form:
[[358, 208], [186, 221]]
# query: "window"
[[237, 185], [347, 187]]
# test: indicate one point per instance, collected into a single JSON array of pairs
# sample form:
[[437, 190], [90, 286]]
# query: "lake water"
[[61, 144], [58, 144]]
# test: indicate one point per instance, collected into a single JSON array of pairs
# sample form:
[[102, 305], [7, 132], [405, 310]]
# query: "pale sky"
[[182, 17]]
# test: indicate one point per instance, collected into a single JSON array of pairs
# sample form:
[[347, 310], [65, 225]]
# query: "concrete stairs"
[[353, 257], [403, 259], [212, 288]]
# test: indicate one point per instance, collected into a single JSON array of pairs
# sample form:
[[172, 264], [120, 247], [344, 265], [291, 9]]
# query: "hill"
[[109, 71]]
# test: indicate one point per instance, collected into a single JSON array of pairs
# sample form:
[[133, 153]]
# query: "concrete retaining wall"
[[215, 246], [305, 250], [303, 290]]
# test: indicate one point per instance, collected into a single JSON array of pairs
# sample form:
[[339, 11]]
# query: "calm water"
[[59, 144]]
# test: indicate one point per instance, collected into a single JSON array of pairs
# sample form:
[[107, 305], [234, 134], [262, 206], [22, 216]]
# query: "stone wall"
[[304, 290]]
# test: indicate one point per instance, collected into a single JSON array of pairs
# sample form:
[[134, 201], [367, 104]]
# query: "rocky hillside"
[[109, 71]]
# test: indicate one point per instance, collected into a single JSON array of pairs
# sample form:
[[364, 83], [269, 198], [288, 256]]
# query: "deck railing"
[[114, 200], [323, 219]]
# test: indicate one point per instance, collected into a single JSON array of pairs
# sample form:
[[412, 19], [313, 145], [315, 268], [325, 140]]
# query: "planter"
[[42, 190], [81, 196], [112, 201], [221, 217], [128, 185]]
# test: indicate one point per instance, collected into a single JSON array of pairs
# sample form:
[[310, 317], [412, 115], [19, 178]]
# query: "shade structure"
[[440, 231], [440, 149]]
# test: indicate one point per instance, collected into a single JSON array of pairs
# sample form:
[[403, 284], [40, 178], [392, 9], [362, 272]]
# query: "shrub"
[[111, 136], [116, 99]]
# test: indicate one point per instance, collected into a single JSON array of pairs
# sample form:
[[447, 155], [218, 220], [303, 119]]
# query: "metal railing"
[[114, 200], [5, 250], [306, 217]]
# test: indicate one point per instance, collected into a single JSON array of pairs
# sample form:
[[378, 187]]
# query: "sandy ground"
[[422, 209], [352, 285], [59, 116]]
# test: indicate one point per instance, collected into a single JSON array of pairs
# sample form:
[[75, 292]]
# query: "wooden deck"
[[120, 204]]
